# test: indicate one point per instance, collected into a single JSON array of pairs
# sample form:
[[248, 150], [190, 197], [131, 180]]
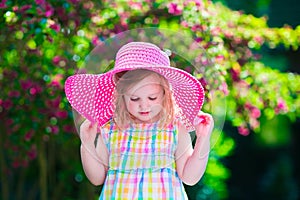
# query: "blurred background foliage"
[[256, 67]]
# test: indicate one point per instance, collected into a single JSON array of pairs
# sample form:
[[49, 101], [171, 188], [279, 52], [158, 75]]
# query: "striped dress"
[[141, 163]]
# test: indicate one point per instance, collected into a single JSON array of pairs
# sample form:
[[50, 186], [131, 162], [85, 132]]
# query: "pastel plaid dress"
[[141, 163]]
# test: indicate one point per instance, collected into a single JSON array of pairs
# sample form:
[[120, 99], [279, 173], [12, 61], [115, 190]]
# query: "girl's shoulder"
[[179, 124], [107, 130], [177, 121], [108, 126]]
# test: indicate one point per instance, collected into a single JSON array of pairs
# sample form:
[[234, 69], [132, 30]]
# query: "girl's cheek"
[[157, 107]]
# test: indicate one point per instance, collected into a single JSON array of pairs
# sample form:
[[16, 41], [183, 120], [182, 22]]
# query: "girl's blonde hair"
[[126, 80]]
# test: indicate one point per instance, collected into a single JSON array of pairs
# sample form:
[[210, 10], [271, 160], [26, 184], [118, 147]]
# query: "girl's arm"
[[94, 154], [191, 163]]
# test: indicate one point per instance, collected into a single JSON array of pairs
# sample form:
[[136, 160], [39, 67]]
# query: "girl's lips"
[[144, 113]]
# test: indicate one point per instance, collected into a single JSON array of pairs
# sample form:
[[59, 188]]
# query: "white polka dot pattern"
[[92, 95]]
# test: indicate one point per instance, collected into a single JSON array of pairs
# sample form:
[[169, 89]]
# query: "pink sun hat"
[[91, 95]]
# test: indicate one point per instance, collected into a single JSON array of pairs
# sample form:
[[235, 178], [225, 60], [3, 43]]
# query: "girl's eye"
[[152, 98], [134, 99]]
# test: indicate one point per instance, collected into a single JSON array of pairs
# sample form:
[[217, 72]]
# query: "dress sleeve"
[[105, 133]]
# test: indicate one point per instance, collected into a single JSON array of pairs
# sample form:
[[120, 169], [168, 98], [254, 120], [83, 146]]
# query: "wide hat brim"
[[91, 95]]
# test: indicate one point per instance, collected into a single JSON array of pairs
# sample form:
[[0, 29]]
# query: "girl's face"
[[144, 100]]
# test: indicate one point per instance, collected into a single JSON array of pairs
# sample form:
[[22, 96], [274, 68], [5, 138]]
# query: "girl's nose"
[[144, 104]]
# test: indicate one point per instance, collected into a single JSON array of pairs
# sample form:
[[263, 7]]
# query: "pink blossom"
[[255, 112], [228, 34], [254, 123], [68, 128], [49, 38], [32, 91], [61, 12], [281, 106], [259, 39], [243, 130], [74, 1], [14, 93], [15, 8], [9, 122], [25, 7], [16, 163], [224, 88], [248, 106], [238, 40], [56, 81], [61, 114], [202, 60], [198, 3], [3, 4], [74, 15], [95, 41], [56, 60], [196, 27], [203, 82], [215, 31], [7, 104], [184, 24], [55, 102], [257, 56], [38, 88], [235, 74], [219, 58], [10, 74], [25, 84], [55, 129], [155, 20], [39, 11], [49, 10], [188, 69], [136, 5], [29, 135], [32, 153], [174, 9], [35, 89], [199, 39], [55, 27], [88, 5], [39, 2]]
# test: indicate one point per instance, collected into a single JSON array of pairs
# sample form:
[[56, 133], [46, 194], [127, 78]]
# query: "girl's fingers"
[[198, 120], [202, 118], [203, 124], [87, 125], [88, 130]]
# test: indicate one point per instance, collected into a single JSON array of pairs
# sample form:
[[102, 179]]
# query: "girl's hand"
[[204, 124], [88, 132]]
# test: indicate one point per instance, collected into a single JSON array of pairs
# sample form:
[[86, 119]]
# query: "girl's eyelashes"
[[134, 99], [152, 98]]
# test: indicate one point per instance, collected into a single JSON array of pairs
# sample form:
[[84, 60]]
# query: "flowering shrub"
[[43, 42]]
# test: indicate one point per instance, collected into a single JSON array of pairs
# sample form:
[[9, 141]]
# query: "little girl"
[[136, 139]]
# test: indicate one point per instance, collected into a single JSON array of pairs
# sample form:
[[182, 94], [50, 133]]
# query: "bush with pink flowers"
[[43, 42]]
